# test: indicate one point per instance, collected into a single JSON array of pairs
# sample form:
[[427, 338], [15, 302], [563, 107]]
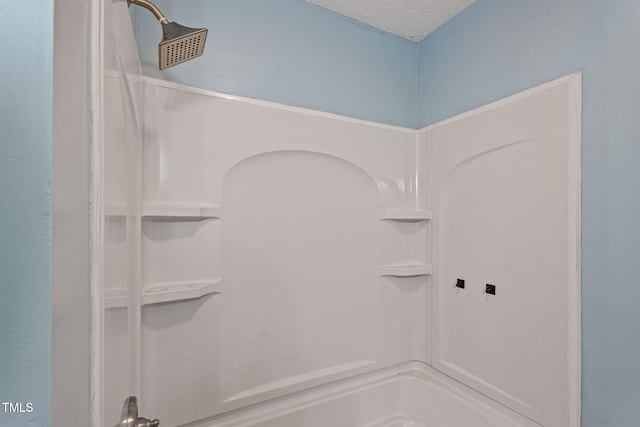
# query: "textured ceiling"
[[411, 19]]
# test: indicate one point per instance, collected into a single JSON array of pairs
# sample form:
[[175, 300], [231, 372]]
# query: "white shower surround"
[[382, 173], [318, 246]]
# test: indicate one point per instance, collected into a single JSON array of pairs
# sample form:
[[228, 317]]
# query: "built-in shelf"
[[181, 211], [115, 298], [406, 270], [115, 209], [167, 292], [405, 215]]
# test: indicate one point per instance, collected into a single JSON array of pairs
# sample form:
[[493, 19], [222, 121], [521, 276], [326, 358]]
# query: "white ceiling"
[[411, 19]]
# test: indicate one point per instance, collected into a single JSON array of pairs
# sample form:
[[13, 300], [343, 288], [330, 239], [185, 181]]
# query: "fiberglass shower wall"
[[281, 249], [296, 251], [117, 162]]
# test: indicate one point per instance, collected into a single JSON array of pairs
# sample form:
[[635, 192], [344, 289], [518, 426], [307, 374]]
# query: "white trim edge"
[[574, 208], [96, 210], [506, 100], [271, 104]]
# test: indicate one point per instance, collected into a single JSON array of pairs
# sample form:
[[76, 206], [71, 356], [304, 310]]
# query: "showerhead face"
[[180, 44]]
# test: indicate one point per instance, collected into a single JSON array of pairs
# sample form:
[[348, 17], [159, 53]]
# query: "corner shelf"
[[406, 270], [405, 215], [167, 292], [181, 211], [115, 209]]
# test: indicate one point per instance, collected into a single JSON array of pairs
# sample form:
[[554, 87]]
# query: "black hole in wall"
[[490, 289], [460, 283]]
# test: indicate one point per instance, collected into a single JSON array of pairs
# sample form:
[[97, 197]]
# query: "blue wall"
[[25, 192], [292, 52], [499, 47]]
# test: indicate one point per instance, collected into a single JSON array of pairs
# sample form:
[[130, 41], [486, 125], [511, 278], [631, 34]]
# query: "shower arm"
[[151, 7]]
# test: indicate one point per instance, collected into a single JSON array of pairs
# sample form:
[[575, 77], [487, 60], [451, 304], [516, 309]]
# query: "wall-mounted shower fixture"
[[179, 43]]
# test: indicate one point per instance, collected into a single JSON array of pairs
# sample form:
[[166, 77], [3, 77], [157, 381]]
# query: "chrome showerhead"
[[179, 43]]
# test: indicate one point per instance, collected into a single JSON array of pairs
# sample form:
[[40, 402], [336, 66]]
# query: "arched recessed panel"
[[503, 217], [300, 255]]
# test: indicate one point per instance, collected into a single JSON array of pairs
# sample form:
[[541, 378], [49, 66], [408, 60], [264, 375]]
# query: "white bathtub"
[[409, 395]]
